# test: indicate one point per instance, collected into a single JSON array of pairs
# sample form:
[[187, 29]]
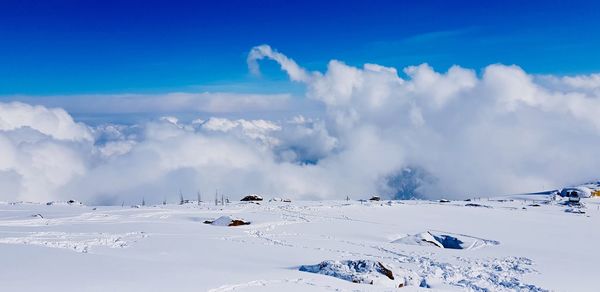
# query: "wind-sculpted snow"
[[79, 242], [365, 272]]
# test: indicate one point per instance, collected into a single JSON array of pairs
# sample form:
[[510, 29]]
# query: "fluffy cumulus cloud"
[[404, 133], [503, 131], [41, 150]]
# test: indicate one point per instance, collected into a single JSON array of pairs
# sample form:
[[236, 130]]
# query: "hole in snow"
[[445, 240]]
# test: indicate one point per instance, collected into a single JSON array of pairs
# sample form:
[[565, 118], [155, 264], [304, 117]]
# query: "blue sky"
[[100, 47]]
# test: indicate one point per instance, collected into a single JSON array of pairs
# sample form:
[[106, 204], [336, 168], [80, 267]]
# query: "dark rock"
[[251, 198], [387, 272], [476, 205], [236, 222]]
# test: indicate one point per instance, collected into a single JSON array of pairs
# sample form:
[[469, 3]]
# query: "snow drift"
[[365, 272]]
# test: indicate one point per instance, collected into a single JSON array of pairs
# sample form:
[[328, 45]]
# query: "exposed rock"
[[237, 222], [386, 271], [251, 198], [476, 205], [227, 221]]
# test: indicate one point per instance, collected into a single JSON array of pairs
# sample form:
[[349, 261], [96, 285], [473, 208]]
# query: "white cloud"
[[260, 130], [583, 83], [453, 133], [500, 133], [168, 103], [54, 122], [295, 72]]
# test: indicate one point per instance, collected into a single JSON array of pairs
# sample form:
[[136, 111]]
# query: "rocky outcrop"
[[252, 198]]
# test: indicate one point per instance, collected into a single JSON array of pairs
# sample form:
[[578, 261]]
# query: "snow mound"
[[365, 272], [227, 221], [482, 275], [445, 240]]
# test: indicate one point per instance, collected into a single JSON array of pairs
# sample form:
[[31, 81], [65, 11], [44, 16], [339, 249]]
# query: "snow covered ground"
[[507, 244]]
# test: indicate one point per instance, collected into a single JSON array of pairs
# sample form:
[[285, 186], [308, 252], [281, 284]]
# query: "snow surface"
[[531, 244]]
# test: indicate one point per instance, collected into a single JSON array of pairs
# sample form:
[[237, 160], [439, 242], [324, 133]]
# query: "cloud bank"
[[413, 133], [175, 102]]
